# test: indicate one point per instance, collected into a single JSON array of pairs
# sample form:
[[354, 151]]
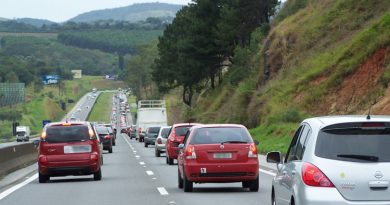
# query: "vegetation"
[[101, 111]]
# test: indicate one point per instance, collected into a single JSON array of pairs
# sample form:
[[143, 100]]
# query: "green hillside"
[[320, 58], [132, 13]]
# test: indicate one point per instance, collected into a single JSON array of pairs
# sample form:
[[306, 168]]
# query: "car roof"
[[185, 124], [67, 123], [337, 119]]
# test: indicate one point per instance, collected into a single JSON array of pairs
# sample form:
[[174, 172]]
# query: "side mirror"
[[256, 142], [274, 157], [181, 146], [36, 143]]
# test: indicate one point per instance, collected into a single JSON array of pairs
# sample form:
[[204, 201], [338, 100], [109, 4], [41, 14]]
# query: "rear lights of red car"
[[218, 154]]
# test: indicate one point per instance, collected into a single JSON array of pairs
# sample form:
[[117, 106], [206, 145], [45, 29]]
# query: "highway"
[[131, 175]]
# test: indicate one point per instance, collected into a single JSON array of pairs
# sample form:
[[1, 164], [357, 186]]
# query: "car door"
[[290, 171]]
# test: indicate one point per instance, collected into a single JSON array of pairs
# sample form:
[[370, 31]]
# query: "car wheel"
[[179, 180], [245, 184], [254, 185], [166, 159], [157, 153], [170, 160], [43, 178], [97, 176], [114, 143], [187, 185], [292, 202], [139, 140], [102, 161], [110, 149], [145, 144]]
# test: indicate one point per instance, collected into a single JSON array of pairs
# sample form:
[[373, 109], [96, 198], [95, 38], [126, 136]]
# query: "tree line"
[[202, 36]]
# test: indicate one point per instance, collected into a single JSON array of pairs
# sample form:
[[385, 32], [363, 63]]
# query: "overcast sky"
[[62, 10]]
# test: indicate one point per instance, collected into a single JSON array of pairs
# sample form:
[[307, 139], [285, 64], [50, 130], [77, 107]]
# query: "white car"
[[161, 139]]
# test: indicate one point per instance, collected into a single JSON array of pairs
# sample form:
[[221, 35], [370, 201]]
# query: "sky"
[[62, 10]]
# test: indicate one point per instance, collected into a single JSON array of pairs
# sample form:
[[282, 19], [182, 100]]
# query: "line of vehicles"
[[330, 160]]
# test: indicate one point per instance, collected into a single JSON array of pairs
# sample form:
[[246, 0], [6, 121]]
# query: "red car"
[[176, 137], [220, 153], [69, 149]]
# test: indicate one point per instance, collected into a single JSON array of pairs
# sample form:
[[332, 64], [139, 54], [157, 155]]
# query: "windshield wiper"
[[361, 157], [235, 142]]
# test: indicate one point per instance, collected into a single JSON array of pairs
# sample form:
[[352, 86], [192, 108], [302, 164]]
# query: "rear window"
[[220, 135], [165, 132], [354, 144], [153, 130], [102, 130], [58, 134], [181, 131]]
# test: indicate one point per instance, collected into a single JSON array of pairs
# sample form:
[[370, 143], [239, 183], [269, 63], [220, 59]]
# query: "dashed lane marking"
[[142, 163], [162, 191], [150, 173]]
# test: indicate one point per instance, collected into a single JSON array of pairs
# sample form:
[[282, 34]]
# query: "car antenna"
[[369, 114]]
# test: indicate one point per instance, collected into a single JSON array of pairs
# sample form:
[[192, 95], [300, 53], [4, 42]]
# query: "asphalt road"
[[131, 175]]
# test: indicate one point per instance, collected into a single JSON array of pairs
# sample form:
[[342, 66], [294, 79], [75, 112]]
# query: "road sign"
[[44, 122]]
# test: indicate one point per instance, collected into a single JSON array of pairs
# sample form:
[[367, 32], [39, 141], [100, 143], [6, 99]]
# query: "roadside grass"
[[101, 111], [45, 104]]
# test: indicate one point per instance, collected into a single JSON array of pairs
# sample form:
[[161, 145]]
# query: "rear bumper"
[[315, 196], [150, 140], [160, 147], [222, 172], [69, 168]]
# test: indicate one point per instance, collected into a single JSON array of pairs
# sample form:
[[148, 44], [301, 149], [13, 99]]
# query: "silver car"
[[160, 140], [335, 160]]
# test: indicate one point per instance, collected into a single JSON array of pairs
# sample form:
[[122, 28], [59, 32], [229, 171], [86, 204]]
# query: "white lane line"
[[137, 156], [149, 173], [154, 178], [18, 186], [162, 191], [142, 163], [267, 172]]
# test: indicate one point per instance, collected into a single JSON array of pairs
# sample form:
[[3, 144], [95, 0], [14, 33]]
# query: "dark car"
[[176, 137], [133, 133], [112, 132], [221, 153], [69, 149], [151, 135], [105, 137]]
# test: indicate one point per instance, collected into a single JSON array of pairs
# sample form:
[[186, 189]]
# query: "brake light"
[[94, 156], [373, 124], [252, 151], [159, 141], [190, 152], [66, 124], [42, 159], [312, 176], [107, 137]]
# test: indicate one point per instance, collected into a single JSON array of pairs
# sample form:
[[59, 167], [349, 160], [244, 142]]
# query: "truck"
[[22, 133], [150, 113]]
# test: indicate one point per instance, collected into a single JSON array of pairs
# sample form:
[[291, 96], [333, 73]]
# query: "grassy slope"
[[102, 109], [44, 105], [318, 48]]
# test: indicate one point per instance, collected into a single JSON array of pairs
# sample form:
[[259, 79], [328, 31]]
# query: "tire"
[[110, 149], [245, 184], [43, 178], [145, 144], [113, 142], [97, 176], [157, 153], [187, 185], [166, 159], [139, 140], [170, 160], [179, 180], [254, 185], [273, 202], [102, 161]]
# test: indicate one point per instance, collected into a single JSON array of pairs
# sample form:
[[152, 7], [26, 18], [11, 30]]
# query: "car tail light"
[[44, 135], [107, 137], [42, 159], [190, 152], [252, 151], [94, 156], [312, 176], [159, 141]]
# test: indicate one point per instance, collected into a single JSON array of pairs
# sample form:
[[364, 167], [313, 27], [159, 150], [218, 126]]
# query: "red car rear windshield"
[[59, 134], [181, 131], [218, 135]]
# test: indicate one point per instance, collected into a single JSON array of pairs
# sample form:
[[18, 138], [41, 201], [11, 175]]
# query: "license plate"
[[77, 149], [222, 155]]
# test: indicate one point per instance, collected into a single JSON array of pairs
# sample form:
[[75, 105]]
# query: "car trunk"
[[218, 153], [360, 181], [61, 152]]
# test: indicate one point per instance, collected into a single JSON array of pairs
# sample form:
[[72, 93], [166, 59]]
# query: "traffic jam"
[[332, 155]]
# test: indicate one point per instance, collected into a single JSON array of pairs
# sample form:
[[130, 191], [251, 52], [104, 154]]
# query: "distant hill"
[[35, 22], [132, 13], [3, 19]]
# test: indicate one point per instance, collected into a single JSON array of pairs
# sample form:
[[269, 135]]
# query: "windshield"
[[101, 130], [153, 130], [165, 132], [58, 134], [181, 131], [21, 133], [354, 144], [220, 135]]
